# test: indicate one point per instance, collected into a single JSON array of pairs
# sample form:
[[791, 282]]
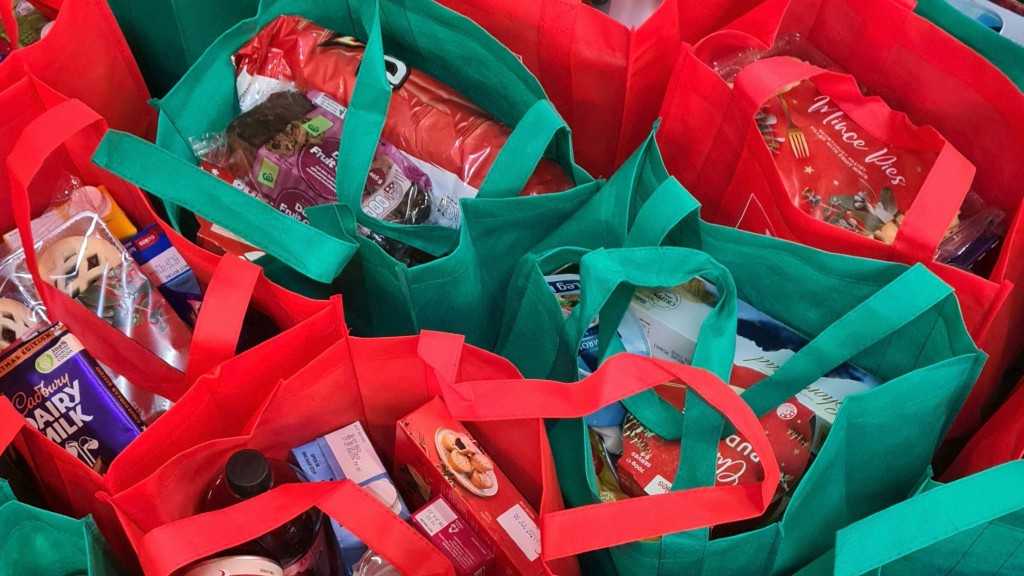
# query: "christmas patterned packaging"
[[648, 464], [837, 171], [85, 261]]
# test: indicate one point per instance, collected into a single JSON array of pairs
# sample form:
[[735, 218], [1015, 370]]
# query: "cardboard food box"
[[436, 456], [348, 454], [454, 538], [671, 318], [648, 464]]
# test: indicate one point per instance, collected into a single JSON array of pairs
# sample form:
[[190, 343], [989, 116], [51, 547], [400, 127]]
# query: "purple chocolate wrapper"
[[61, 390]]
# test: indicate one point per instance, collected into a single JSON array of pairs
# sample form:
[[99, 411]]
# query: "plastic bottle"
[[300, 544]]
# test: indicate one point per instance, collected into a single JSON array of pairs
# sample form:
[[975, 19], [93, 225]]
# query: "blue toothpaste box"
[[348, 454]]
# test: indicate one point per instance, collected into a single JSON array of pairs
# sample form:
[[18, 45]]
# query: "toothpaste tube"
[[164, 266]]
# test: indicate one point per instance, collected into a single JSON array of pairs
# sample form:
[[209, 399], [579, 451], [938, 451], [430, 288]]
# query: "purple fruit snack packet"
[[60, 389]]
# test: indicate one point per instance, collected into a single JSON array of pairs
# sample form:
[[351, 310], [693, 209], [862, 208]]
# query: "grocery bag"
[[917, 69], [62, 138], [60, 141], [607, 79], [999, 440], [971, 526], [1003, 52], [505, 414], [168, 37], [40, 542], [860, 311], [305, 257], [84, 56]]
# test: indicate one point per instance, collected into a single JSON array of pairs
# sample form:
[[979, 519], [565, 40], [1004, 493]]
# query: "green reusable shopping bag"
[[422, 34], [168, 36], [1006, 54], [901, 324], [972, 526], [34, 541]]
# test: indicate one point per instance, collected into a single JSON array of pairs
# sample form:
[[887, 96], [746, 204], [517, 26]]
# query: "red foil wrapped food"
[[426, 118]]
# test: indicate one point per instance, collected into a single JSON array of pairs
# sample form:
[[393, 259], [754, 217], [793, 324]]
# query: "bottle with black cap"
[[300, 544]]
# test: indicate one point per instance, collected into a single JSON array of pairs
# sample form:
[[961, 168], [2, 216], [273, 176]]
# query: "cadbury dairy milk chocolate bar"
[[60, 389]]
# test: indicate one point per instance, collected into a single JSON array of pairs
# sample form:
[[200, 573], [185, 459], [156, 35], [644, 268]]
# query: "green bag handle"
[[923, 520], [364, 123], [668, 206], [901, 301], [313, 253], [910, 295], [609, 278]]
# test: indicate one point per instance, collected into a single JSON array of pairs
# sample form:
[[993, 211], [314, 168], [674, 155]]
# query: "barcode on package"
[[435, 517], [523, 530]]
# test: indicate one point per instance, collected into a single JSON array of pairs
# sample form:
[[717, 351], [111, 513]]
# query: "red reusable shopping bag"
[[84, 56], [1000, 440], [377, 381], [606, 79], [916, 68], [62, 138]]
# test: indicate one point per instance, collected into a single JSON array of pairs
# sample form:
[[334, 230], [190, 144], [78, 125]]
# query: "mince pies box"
[[348, 454], [436, 456]]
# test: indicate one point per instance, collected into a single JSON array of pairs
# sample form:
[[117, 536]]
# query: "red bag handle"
[[10, 23], [222, 302], [11, 423], [178, 544], [943, 190], [620, 377]]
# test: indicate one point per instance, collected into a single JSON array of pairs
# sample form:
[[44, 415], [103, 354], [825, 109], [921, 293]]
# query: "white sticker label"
[[166, 266], [327, 103], [354, 454], [523, 530], [658, 485], [435, 517]]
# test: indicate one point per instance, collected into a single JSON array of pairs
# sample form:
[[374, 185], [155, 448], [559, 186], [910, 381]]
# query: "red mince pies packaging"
[[836, 171], [436, 456]]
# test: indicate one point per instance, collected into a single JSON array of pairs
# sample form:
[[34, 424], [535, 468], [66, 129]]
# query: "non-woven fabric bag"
[[971, 526], [70, 487], [418, 33], [999, 440], [59, 142], [62, 138], [167, 37], [900, 324], [37, 541], [377, 381], [84, 56], [916, 68], [1003, 52], [607, 79]]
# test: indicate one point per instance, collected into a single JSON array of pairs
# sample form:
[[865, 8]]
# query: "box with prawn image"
[[436, 456]]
